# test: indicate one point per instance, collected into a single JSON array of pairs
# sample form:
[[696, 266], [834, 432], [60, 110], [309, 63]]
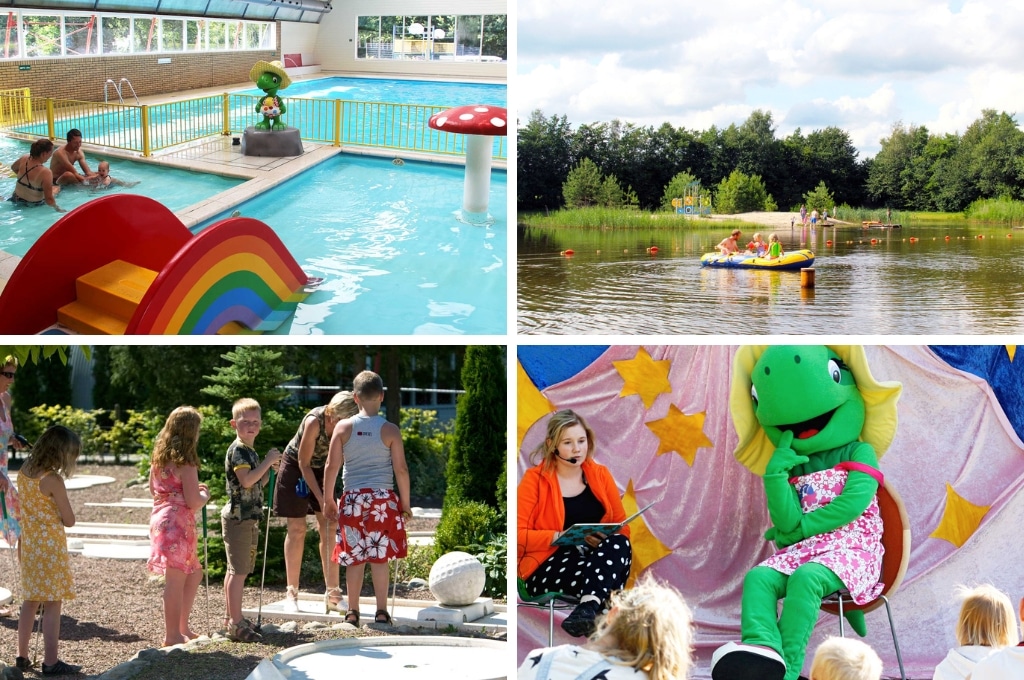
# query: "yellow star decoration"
[[647, 549], [531, 405], [960, 519], [644, 376], [680, 433], [1011, 350]]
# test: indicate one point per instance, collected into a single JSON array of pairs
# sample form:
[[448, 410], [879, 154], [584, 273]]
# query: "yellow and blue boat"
[[795, 260]]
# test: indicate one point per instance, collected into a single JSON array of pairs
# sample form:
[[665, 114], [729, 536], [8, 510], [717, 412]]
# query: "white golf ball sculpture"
[[457, 579]]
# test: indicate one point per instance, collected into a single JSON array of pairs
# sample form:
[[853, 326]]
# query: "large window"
[[444, 37], [72, 34]]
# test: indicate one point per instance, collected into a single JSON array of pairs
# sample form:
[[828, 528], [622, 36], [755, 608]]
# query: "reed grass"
[[1001, 210], [620, 218]]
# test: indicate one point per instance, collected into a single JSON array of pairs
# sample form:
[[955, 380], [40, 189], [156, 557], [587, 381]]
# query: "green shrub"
[[426, 451], [82, 422], [464, 523], [493, 554], [417, 562]]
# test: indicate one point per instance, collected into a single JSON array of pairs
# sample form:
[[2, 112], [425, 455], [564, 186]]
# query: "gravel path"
[[118, 610]]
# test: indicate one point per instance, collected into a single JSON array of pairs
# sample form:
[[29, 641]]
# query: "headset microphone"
[[571, 461]]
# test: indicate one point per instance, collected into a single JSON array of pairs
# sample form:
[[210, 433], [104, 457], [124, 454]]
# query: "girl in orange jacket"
[[567, 487]]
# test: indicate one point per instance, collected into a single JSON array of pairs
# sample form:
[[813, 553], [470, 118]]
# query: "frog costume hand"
[[812, 423], [270, 77]]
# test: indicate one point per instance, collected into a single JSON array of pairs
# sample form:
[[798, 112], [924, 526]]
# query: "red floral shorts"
[[371, 527]]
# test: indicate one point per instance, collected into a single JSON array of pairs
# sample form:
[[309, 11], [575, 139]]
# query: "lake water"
[[613, 285]]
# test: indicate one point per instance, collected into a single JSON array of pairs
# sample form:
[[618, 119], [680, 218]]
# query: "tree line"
[[913, 170]]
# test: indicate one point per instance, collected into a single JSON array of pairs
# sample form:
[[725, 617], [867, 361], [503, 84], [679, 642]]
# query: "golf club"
[[266, 542], [206, 574]]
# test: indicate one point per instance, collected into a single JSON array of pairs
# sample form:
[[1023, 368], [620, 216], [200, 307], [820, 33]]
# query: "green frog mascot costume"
[[813, 423]]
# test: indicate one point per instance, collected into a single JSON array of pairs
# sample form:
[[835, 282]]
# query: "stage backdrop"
[[662, 423]]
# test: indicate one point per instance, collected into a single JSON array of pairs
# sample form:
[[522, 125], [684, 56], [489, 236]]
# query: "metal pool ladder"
[[117, 88]]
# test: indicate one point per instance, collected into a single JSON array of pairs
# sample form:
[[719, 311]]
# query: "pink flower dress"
[[172, 526], [853, 552], [10, 516]]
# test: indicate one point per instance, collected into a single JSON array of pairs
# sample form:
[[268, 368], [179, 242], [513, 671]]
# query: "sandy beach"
[[775, 220]]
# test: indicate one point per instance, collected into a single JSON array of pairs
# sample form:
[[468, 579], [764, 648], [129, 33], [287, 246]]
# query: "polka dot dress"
[[588, 571]]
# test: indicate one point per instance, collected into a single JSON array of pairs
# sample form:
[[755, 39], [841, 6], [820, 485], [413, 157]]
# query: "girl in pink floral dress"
[[177, 494]]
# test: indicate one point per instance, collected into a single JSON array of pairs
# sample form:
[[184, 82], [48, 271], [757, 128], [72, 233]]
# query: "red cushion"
[[292, 60]]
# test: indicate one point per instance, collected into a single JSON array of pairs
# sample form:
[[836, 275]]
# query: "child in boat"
[[774, 247], [757, 246]]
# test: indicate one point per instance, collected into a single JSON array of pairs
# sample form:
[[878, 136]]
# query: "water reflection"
[[908, 282]]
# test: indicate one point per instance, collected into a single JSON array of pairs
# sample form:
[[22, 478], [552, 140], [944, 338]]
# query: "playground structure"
[[125, 264], [692, 202]]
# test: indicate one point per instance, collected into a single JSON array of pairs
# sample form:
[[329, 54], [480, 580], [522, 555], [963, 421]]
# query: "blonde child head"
[[242, 405], [845, 659], [557, 424], [773, 238], [648, 627], [178, 440], [368, 385], [56, 450], [986, 617], [342, 405]]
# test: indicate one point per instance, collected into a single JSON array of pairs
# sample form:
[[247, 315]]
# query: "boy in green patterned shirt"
[[246, 476]]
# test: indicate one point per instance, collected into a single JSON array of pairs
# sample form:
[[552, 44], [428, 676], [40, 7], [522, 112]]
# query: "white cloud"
[[861, 66]]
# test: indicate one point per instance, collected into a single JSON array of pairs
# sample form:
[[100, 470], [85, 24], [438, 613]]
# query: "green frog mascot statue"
[[813, 423], [270, 77]]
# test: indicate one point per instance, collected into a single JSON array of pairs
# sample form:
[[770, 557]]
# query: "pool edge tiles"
[[217, 204]]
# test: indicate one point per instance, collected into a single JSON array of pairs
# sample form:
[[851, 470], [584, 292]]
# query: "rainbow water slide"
[[234, 276]]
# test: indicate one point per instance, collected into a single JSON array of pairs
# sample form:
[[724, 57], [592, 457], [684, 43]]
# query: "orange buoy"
[[568, 253], [1009, 236], [914, 239], [828, 243], [652, 249], [874, 241], [947, 237]]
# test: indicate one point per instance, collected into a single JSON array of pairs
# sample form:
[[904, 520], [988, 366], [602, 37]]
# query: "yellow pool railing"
[[148, 128]]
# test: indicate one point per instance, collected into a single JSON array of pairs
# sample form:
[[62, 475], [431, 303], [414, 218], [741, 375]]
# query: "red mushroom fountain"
[[479, 123]]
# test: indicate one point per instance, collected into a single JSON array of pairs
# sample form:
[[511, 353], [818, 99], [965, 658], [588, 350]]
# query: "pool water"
[[395, 91], [388, 241], [21, 226]]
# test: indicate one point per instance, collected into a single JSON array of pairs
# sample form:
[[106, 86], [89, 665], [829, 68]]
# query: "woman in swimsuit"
[[35, 181]]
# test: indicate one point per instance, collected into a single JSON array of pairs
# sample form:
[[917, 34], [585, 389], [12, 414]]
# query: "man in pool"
[[729, 246], [62, 164]]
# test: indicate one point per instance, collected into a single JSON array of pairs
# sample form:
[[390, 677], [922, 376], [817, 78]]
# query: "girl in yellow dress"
[[45, 567]]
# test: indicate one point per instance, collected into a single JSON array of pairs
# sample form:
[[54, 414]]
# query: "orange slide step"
[[106, 298]]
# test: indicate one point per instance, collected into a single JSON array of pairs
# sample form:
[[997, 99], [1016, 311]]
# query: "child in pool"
[[646, 635], [46, 579], [103, 179]]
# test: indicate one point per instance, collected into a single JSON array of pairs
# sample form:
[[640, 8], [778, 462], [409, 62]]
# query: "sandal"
[[243, 632], [352, 616], [335, 605], [291, 600], [61, 668], [382, 616]]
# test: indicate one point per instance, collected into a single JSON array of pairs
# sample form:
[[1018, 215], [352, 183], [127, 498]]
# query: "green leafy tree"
[[252, 371], [740, 193], [677, 188], [819, 199], [543, 160], [611, 192], [477, 455], [584, 185], [41, 382]]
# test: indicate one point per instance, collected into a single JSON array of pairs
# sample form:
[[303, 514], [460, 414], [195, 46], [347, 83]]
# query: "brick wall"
[[82, 78]]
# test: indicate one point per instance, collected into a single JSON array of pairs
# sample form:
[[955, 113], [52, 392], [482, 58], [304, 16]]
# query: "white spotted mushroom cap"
[[471, 120]]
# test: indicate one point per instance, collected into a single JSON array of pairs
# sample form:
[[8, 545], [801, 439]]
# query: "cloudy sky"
[[859, 65]]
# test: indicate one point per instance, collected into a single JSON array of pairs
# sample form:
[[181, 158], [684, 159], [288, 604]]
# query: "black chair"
[[549, 601]]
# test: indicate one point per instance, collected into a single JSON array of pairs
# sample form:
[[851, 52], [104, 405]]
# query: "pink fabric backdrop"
[[712, 515]]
